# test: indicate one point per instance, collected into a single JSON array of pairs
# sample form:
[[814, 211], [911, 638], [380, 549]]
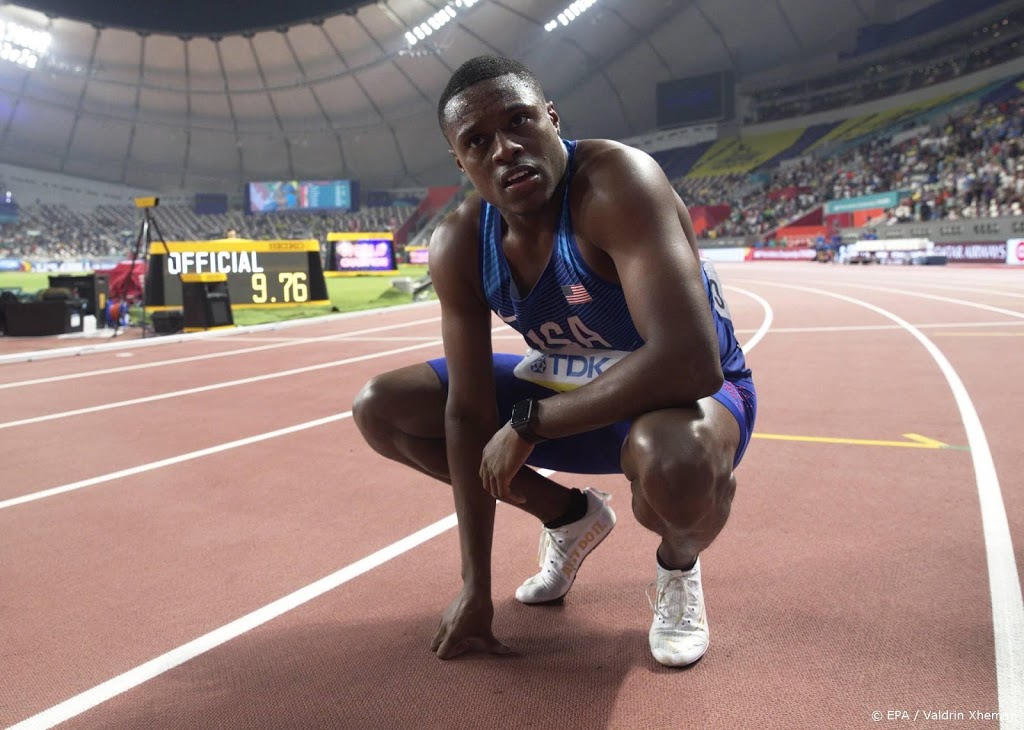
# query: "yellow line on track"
[[914, 441]]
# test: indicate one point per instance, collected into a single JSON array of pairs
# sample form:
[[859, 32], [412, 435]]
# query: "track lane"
[[746, 585], [156, 349], [805, 572]]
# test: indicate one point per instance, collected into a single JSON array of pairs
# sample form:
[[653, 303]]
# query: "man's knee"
[[678, 468], [405, 401], [369, 409]]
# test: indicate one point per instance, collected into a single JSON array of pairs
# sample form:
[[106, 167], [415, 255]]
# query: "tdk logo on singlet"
[[561, 370], [576, 366]]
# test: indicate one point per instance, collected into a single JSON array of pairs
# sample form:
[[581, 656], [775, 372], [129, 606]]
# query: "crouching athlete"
[[632, 365]]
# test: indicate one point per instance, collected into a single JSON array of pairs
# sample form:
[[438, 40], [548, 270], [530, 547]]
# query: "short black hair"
[[480, 69]]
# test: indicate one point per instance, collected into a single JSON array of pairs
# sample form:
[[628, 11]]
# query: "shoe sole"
[[561, 599], [681, 667]]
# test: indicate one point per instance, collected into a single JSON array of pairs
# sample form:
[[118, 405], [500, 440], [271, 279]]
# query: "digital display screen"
[[259, 273], [284, 195], [368, 254], [697, 99], [418, 255]]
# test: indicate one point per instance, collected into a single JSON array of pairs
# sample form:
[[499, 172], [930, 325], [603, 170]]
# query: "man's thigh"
[[593, 452], [600, 451], [740, 399]]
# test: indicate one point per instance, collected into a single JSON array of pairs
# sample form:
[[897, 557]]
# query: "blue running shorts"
[[598, 451]]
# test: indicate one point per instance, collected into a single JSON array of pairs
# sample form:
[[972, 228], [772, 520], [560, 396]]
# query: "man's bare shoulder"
[[454, 261], [613, 181], [604, 160], [458, 229]]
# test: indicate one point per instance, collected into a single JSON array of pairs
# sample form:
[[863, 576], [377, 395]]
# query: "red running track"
[[185, 543]]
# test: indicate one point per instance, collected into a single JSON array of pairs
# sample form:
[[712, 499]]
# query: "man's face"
[[504, 136]]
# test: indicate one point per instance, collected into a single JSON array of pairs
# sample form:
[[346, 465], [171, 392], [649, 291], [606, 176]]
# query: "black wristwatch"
[[524, 419]]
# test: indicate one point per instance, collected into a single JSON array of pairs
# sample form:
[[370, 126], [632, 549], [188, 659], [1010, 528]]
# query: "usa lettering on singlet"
[[577, 325]]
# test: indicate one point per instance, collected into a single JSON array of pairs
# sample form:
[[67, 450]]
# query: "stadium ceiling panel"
[[638, 99], [816, 29], [215, 94], [193, 17]]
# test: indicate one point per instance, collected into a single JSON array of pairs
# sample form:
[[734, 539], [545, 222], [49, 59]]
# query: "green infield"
[[26, 281]]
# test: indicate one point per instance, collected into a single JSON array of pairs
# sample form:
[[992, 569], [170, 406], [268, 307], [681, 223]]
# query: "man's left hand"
[[504, 455]]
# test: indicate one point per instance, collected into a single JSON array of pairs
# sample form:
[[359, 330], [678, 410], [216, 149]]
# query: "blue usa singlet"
[[576, 324]]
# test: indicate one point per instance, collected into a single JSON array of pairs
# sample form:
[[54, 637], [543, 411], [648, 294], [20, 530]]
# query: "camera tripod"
[[144, 238]]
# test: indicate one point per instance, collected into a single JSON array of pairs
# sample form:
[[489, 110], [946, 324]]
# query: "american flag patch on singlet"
[[576, 294]]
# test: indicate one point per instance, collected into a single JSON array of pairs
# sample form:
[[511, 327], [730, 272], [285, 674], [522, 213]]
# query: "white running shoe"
[[563, 549], [679, 633]]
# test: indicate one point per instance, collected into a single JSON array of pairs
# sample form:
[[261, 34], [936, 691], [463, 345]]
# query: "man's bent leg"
[[401, 416], [680, 464]]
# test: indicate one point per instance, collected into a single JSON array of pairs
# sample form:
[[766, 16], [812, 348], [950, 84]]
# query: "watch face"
[[521, 414]]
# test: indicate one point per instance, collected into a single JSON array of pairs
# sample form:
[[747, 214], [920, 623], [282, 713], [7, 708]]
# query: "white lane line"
[[226, 384], [392, 338], [214, 386], [1003, 578], [176, 657], [211, 356], [271, 338], [766, 323], [935, 297], [975, 289], [882, 327], [155, 667], [200, 336], [171, 461]]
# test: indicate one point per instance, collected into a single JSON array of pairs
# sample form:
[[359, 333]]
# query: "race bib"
[[565, 369], [717, 296]]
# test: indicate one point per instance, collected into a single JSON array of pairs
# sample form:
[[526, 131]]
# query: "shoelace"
[[670, 600], [546, 541], [546, 538]]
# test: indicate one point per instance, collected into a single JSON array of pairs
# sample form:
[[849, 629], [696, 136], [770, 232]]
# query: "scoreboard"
[[259, 273], [355, 253]]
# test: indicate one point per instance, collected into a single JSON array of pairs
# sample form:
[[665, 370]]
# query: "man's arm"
[[630, 211], [471, 416]]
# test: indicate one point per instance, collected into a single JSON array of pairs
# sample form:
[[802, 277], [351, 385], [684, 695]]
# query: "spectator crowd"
[[58, 232], [966, 166]]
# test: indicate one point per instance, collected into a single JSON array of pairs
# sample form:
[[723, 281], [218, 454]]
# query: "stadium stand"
[[952, 155], [967, 164], [946, 58], [56, 231]]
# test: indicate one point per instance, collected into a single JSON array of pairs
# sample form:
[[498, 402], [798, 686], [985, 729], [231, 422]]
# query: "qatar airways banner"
[[724, 255], [781, 254], [977, 252], [1015, 251]]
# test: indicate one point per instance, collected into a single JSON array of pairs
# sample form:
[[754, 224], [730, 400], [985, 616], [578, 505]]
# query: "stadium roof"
[[194, 17], [346, 96]]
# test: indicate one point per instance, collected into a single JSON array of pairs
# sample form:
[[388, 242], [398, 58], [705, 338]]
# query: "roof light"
[[22, 45], [570, 13], [440, 19]]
